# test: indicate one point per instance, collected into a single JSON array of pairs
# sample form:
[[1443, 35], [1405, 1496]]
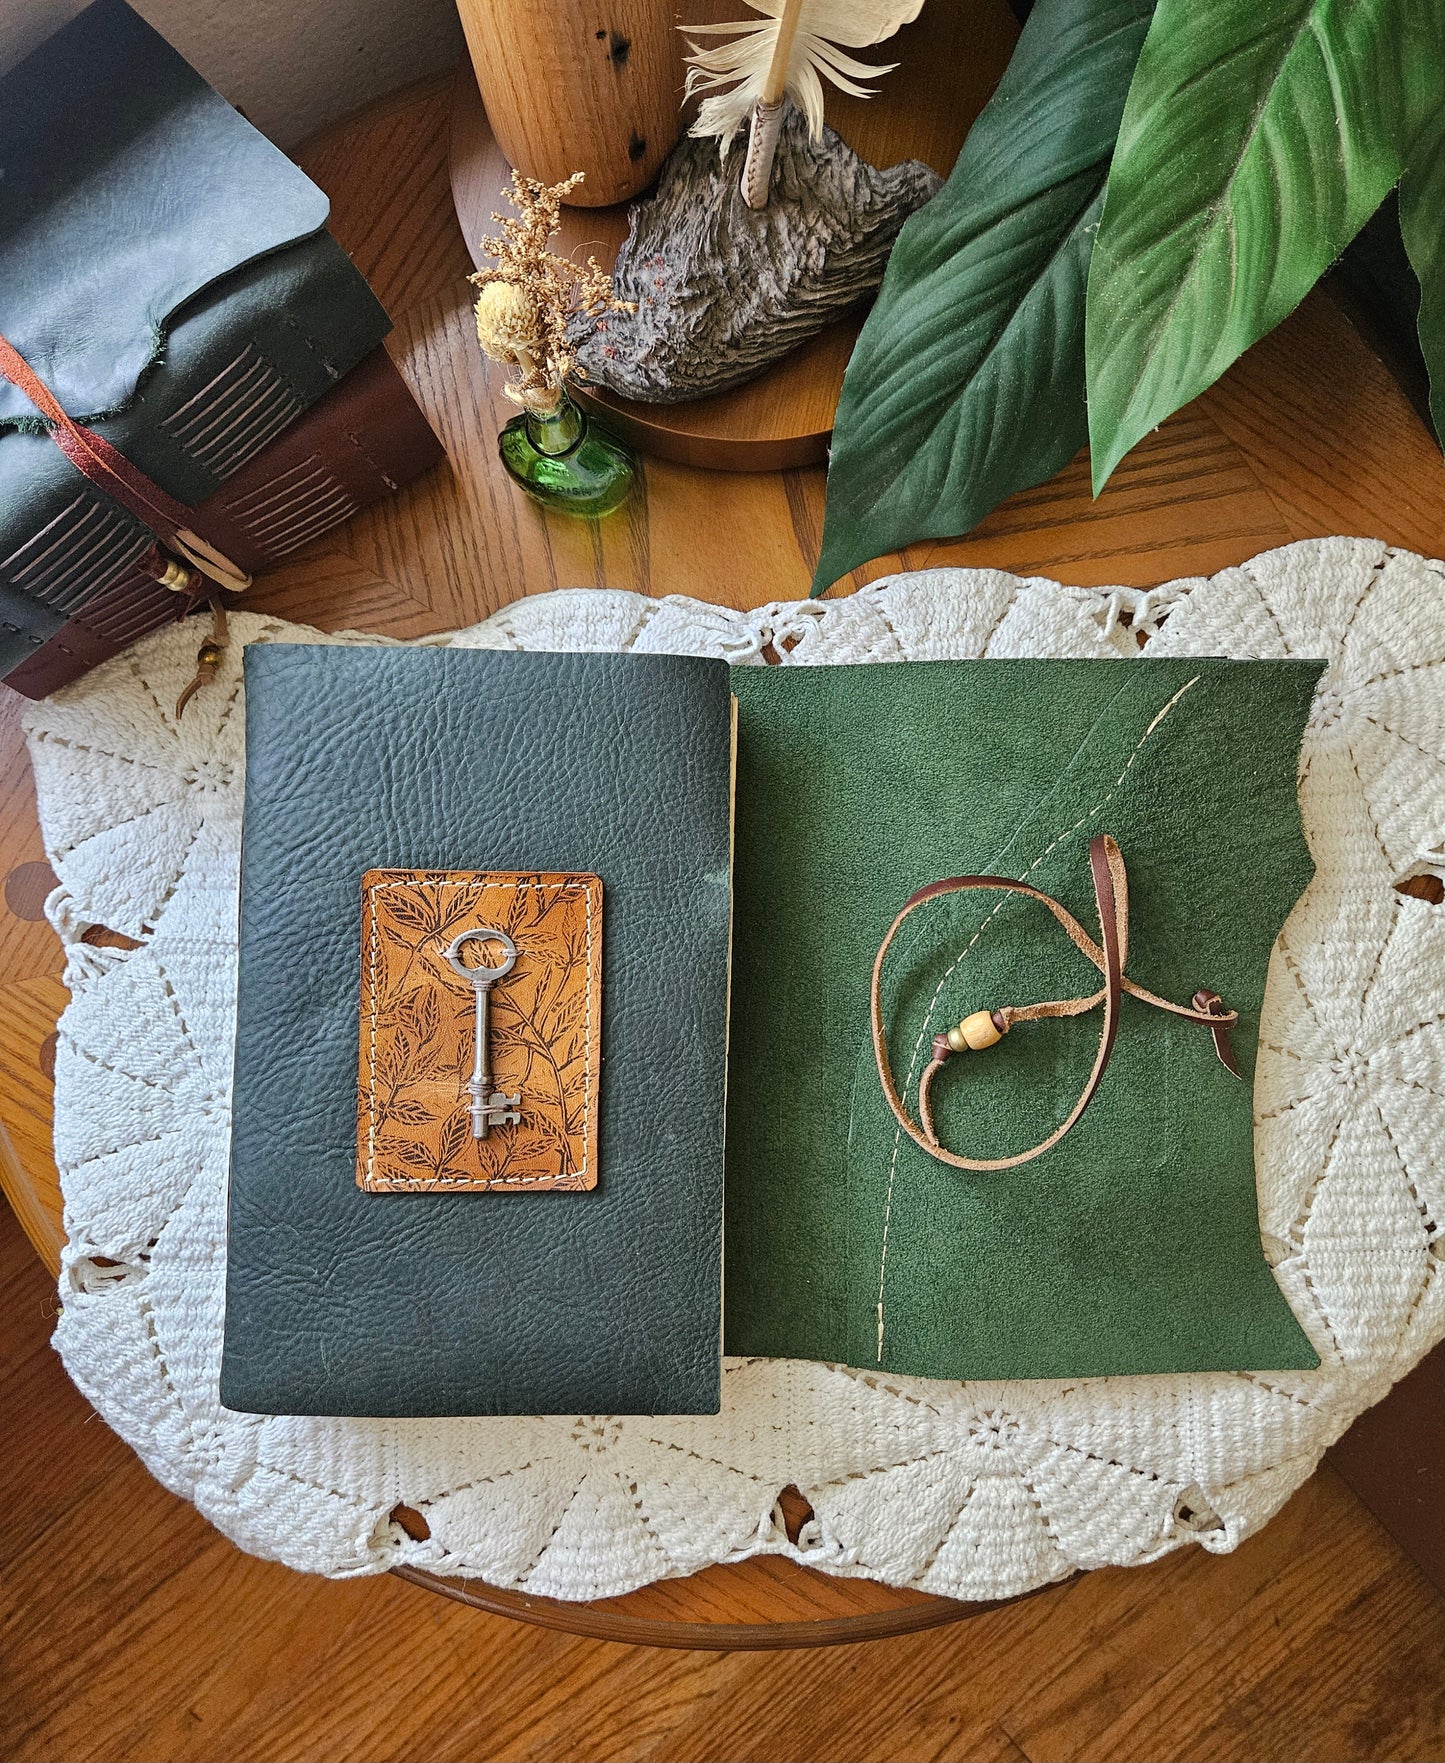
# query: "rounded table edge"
[[585, 1619]]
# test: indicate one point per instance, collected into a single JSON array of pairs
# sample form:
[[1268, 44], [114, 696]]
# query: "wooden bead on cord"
[[985, 1028]]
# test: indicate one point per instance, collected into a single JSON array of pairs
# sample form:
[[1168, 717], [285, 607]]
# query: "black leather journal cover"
[[341, 1301]]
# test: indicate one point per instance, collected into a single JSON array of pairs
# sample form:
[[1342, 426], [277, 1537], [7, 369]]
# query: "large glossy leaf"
[[967, 382], [1422, 226], [1258, 137]]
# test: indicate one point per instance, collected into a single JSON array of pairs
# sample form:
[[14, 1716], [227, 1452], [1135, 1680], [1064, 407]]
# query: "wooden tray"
[[950, 59]]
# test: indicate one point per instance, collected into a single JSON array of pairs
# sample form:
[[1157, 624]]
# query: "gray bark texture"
[[724, 290]]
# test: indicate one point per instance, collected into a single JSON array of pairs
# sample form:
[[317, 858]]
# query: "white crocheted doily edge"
[[969, 1490]]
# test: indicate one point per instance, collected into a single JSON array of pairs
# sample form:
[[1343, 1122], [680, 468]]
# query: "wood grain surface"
[[1308, 435], [130, 1630], [580, 88]]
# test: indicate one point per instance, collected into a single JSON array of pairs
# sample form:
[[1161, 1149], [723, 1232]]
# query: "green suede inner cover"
[[1133, 1246]]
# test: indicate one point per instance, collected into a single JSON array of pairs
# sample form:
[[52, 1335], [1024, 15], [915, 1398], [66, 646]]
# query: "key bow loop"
[[489, 1107]]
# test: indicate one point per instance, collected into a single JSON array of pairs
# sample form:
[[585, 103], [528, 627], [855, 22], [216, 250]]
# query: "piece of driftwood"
[[723, 290]]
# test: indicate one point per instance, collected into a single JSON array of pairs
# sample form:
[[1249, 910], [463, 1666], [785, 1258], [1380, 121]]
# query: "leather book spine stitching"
[[359, 444]]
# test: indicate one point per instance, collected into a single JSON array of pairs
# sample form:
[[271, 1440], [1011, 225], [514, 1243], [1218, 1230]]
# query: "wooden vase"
[[571, 87]]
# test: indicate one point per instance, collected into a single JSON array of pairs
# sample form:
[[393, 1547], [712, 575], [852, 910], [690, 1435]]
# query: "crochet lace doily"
[[970, 1489]]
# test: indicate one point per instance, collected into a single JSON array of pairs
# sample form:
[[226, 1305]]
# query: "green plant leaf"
[[967, 382], [1422, 226], [1258, 138]]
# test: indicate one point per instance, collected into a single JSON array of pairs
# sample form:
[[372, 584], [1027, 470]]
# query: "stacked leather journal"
[[967, 957], [166, 273]]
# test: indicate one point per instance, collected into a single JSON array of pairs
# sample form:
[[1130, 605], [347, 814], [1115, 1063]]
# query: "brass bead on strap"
[[175, 576]]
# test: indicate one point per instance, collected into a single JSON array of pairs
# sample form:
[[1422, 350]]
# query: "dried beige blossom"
[[529, 307], [506, 322]]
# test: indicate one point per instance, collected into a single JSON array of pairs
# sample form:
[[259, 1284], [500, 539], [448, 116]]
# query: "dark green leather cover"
[[345, 1302], [1134, 1245], [129, 187]]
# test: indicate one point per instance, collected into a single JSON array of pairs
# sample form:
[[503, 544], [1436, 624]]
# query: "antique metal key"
[[494, 1108]]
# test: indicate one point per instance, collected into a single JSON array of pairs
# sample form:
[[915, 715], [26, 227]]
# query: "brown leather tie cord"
[[1111, 894], [105, 466]]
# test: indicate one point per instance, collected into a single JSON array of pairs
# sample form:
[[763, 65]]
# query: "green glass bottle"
[[567, 460]]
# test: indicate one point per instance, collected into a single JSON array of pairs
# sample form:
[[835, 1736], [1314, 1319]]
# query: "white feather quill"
[[820, 31], [789, 51]]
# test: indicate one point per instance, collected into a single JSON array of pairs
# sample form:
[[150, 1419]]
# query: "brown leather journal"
[[481, 1021]]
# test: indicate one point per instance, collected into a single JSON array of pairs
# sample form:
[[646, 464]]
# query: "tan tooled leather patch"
[[417, 1102]]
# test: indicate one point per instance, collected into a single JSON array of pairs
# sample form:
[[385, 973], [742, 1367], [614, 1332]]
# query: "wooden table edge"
[[592, 1621], [19, 1190]]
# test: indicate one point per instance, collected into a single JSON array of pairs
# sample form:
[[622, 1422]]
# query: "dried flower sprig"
[[529, 305]]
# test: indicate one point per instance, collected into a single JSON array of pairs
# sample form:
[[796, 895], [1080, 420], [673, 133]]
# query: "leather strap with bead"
[[986, 1028], [127, 484], [194, 557]]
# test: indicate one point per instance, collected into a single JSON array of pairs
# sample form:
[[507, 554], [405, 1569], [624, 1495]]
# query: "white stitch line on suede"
[[558, 888], [948, 974]]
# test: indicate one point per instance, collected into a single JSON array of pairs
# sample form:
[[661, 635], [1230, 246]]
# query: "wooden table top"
[[1307, 436]]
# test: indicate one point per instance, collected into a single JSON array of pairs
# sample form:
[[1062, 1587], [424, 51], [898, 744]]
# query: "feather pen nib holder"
[[767, 125], [769, 60]]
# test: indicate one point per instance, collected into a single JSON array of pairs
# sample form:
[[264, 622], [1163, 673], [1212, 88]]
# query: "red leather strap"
[[125, 483], [1109, 955]]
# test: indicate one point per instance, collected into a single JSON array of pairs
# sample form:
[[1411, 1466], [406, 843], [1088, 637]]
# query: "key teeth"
[[511, 1116], [499, 1109]]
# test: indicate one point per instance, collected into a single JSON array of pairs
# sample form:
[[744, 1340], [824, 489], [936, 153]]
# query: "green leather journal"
[[1133, 1245], [380, 784], [378, 1264]]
